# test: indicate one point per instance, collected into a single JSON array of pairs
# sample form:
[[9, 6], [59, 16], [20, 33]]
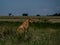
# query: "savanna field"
[[40, 33]]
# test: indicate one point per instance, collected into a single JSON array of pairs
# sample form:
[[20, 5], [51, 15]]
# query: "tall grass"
[[40, 33]]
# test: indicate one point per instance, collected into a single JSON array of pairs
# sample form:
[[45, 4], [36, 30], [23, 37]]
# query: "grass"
[[40, 33]]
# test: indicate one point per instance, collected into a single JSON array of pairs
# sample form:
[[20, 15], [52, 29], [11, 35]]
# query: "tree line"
[[26, 14], [56, 14]]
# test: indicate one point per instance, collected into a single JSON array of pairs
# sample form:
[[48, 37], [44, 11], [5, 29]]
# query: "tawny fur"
[[24, 26]]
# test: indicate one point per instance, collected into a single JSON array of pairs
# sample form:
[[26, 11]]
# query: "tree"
[[59, 14], [24, 14], [37, 15], [10, 14], [56, 14]]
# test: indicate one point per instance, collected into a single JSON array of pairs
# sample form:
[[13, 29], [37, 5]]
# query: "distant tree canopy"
[[37, 15], [10, 14], [24, 14], [56, 14]]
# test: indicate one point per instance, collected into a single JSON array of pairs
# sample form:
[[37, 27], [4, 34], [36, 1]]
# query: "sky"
[[32, 7]]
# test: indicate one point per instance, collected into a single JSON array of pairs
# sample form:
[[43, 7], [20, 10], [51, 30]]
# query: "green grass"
[[40, 33]]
